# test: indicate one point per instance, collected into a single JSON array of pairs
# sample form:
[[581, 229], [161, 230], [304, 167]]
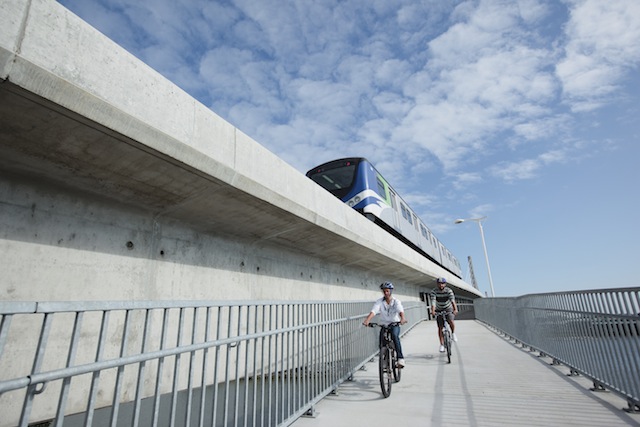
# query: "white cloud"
[[532, 11], [547, 127], [602, 45], [463, 180], [512, 171], [553, 156], [528, 168], [481, 210], [484, 77]]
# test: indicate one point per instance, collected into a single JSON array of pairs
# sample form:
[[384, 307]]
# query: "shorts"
[[450, 316]]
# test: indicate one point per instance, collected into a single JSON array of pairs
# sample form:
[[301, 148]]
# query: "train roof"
[[344, 159]]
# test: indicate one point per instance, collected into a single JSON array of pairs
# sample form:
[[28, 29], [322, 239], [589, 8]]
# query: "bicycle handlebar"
[[373, 325]]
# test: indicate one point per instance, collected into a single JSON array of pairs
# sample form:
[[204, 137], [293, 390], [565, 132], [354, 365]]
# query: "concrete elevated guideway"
[[115, 184]]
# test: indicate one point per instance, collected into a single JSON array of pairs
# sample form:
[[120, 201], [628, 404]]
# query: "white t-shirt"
[[388, 313]]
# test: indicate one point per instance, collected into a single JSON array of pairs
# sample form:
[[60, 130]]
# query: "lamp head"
[[458, 221]]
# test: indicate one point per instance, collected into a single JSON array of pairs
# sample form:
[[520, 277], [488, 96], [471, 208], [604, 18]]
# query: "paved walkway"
[[490, 382]]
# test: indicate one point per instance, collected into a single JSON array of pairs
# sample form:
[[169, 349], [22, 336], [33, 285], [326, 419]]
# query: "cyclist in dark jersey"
[[443, 299]]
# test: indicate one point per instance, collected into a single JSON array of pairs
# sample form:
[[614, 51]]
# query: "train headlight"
[[351, 203]]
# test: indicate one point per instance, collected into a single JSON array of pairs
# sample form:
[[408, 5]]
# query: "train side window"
[[406, 213], [415, 221], [392, 196], [381, 189]]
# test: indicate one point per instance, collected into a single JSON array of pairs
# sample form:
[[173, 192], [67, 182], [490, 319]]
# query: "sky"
[[523, 111]]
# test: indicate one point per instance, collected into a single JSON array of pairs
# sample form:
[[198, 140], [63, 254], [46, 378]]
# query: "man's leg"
[[395, 334], [450, 318], [440, 322]]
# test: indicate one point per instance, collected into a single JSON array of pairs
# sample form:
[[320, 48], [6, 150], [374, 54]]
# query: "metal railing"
[[178, 363], [594, 333]]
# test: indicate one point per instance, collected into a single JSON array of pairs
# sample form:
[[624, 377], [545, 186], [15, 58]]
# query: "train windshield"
[[336, 177]]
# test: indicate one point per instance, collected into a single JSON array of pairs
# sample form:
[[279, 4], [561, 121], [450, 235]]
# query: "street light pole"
[[484, 246]]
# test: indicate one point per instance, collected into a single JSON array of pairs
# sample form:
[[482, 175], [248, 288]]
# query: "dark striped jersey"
[[442, 298]]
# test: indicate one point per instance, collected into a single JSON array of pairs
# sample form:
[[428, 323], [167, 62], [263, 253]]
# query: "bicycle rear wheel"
[[384, 369]]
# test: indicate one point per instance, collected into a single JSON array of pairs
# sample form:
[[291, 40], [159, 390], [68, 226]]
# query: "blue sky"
[[523, 111]]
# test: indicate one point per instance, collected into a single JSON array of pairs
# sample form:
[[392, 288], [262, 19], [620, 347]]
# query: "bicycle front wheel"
[[447, 344], [397, 372], [384, 369]]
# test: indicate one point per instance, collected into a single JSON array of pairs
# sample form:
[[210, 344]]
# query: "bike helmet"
[[386, 285], [441, 280]]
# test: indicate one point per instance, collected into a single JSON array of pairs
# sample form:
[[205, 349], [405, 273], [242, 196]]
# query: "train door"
[[394, 205], [416, 230]]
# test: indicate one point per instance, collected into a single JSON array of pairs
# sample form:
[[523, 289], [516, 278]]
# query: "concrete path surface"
[[490, 382]]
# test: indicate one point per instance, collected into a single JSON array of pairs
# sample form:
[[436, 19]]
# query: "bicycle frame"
[[446, 333], [388, 359]]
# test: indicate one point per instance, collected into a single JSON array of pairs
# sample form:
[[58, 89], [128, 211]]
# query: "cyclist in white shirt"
[[391, 311]]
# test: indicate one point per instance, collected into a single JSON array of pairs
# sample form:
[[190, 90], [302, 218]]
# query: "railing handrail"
[[594, 332], [15, 307]]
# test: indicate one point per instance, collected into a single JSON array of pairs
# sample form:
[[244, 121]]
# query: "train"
[[357, 183]]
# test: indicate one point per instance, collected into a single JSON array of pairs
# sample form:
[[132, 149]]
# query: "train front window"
[[336, 178]]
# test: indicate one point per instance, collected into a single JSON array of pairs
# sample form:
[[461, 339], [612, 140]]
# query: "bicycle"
[[388, 359], [446, 333]]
